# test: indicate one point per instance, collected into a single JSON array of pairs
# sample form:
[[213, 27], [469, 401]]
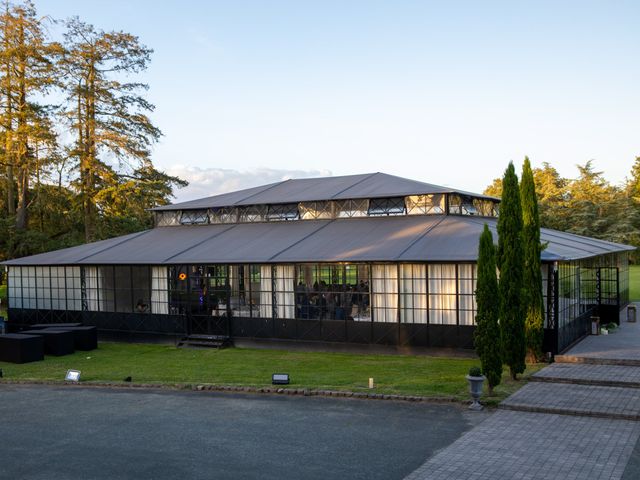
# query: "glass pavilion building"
[[373, 259]]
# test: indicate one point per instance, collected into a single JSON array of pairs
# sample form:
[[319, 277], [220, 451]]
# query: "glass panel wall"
[[194, 217], [438, 294], [316, 210], [219, 290], [117, 288], [223, 215], [167, 219], [255, 213], [384, 279], [386, 206], [283, 213], [14, 287], [485, 208], [466, 294], [29, 296], [159, 290], [351, 208], [332, 291], [568, 292], [413, 293], [425, 204], [442, 294], [622, 262], [45, 288]]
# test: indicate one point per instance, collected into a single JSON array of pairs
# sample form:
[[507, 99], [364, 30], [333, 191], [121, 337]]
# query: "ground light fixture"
[[280, 379], [72, 376]]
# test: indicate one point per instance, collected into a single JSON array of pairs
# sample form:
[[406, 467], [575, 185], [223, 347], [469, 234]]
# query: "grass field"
[[634, 283], [393, 374]]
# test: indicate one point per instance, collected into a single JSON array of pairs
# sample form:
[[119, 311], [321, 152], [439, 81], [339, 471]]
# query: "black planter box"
[[56, 342], [20, 348], [84, 338]]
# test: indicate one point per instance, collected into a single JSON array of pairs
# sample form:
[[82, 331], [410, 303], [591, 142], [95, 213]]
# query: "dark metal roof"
[[401, 238], [371, 185]]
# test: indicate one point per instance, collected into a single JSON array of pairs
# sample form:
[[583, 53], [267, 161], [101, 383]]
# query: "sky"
[[445, 92]]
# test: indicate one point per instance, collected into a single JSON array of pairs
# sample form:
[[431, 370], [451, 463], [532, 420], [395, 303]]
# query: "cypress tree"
[[487, 334], [510, 263], [532, 276]]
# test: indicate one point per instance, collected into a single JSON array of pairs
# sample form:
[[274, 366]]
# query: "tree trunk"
[[8, 126], [22, 154], [11, 196], [87, 161]]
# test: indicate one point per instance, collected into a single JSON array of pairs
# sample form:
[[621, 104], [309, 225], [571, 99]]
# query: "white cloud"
[[205, 182]]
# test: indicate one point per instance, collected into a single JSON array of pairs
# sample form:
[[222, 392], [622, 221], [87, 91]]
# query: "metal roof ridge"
[[420, 237], [273, 185], [367, 177], [200, 242], [301, 240], [111, 246]]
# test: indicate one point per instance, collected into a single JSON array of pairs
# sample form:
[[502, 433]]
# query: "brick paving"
[[623, 344], [591, 400], [532, 446], [578, 420], [607, 375]]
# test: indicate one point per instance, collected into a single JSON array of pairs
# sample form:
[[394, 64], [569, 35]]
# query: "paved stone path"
[[510, 445], [588, 400], [576, 420], [590, 374], [621, 347]]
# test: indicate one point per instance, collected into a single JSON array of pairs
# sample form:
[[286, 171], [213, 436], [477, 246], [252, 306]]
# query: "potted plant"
[[476, 380]]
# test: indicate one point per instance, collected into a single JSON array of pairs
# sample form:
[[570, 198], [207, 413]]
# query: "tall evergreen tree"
[[533, 305], [108, 116], [510, 264], [633, 185], [487, 333], [28, 62]]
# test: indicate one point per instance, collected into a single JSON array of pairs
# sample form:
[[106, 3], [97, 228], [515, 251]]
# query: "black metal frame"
[[454, 204], [559, 333]]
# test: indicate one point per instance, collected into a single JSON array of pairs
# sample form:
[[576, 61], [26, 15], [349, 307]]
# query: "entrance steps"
[[605, 375], [205, 341], [593, 360], [584, 389], [575, 399]]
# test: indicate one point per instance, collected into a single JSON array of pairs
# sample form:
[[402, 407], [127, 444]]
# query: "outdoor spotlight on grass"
[[280, 379], [72, 376]]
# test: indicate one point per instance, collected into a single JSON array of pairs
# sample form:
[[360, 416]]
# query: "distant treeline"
[[587, 205]]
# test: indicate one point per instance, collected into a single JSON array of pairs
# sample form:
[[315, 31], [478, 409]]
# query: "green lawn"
[[393, 374], [634, 283]]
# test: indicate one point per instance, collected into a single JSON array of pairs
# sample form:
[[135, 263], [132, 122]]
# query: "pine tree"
[[532, 276], [27, 72], [487, 333], [108, 116], [510, 264]]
